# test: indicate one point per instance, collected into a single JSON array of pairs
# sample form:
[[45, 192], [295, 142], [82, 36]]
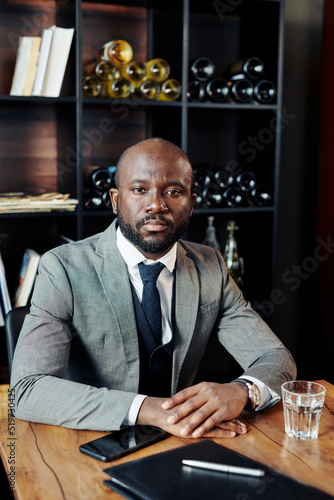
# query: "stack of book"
[[28, 273], [41, 62], [47, 202], [26, 280]]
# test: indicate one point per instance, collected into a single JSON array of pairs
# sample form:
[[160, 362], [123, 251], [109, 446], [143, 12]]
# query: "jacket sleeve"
[[42, 392], [250, 340]]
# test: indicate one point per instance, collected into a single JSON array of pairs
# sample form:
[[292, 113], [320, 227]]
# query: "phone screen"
[[122, 442]]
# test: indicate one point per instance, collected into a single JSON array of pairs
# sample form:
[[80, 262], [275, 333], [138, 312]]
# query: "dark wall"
[[297, 319]]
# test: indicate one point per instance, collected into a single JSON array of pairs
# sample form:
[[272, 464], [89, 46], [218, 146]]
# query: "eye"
[[174, 192], [139, 190]]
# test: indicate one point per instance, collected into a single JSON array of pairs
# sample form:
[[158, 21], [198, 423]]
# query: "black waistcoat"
[[155, 361]]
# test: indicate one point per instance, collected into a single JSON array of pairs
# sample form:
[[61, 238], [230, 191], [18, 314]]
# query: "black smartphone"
[[122, 442]]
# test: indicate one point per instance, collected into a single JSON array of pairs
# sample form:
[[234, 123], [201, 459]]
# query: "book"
[[2, 319], [57, 61], [21, 65], [46, 39], [32, 66], [27, 277], [163, 477], [46, 202], [4, 294], [63, 240]]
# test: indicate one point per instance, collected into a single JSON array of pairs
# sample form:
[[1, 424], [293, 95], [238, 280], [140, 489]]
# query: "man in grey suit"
[[86, 357]]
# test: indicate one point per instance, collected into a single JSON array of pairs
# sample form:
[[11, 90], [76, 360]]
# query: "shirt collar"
[[133, 256]]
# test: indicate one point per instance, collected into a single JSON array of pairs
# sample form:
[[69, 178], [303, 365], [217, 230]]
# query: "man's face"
[[153, 201]]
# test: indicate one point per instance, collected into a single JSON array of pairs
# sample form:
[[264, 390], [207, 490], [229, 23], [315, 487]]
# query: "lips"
[[155, 225]]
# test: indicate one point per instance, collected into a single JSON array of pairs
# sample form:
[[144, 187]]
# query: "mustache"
[[153, 217]]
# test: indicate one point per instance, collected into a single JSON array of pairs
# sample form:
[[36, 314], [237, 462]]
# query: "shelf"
[[229, 210], [132, 103], [37, 100], [36, 215]]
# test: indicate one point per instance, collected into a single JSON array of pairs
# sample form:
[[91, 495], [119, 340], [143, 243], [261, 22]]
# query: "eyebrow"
[[169, 183]]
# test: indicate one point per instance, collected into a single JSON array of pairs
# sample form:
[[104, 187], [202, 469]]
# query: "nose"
[[156, 203]]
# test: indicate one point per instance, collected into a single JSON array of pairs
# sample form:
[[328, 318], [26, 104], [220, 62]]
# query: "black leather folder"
[[164, 477]]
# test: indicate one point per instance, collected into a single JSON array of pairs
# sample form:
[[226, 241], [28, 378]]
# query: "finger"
[[217, 432], [179, 397], [233, 426], [195, 407]]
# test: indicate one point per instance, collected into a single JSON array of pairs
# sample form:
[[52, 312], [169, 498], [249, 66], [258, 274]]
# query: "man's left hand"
[[208, 406]]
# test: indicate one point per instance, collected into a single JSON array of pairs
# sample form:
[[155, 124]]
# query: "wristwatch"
[[253, 394]]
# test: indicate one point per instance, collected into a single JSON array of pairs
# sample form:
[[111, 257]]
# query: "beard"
[[151, 247]]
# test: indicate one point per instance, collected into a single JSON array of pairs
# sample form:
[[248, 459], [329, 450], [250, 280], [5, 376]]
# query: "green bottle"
[[234, 263]]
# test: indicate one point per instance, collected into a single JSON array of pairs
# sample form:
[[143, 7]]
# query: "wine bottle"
[[203, 177], [202, 69], [234, 262], [223, 178], [119, 52], [158, 69], [195, 91], [252, 68], [92, 199], [135, 71], [97, 178], [210, 234], [119, 88], [106, 200], [260, 196], [148, 89], [240, 90], [264, 91], [103, 70], [233, 196], [213, 195], [200, 201], [246, 181], [91, 86], [217, 90], [170, 90]]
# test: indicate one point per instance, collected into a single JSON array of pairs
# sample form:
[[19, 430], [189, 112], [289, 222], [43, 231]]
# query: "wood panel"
[[33, 147], [325, 200]]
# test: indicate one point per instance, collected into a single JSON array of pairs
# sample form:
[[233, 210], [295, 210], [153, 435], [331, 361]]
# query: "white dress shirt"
[[165, 283]]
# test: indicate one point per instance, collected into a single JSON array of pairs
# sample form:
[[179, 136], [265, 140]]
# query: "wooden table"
[[48, 465]]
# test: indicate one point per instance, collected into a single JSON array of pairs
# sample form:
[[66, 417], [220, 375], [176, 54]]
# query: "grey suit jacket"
[[76, 363]]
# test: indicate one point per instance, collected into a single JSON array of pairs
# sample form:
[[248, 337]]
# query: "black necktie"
[[151, 298]]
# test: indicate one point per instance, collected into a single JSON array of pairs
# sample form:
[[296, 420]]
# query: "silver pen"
[[232, 469]]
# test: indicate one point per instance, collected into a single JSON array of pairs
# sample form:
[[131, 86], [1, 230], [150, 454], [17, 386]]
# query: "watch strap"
[[253, 393]]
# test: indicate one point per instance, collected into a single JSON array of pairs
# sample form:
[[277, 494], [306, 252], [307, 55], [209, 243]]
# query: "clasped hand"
[[207, 409]]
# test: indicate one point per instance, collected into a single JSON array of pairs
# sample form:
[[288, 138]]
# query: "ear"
[[114, 198], [193, 199]]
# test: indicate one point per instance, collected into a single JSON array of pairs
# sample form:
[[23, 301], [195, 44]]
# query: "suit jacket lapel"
[[112, 272], [186, 307]]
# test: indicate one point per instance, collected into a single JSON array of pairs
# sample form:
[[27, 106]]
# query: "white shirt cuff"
[[131, 416]]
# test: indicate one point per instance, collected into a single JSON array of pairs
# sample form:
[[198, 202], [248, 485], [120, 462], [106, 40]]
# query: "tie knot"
[[150, 273]]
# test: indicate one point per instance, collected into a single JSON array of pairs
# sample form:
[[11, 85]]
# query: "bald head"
[[157, 149]]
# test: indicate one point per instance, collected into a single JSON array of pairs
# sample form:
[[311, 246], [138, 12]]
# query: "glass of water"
[[302, 404]]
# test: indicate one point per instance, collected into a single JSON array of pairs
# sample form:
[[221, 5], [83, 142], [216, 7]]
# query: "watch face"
[[255, 395]]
